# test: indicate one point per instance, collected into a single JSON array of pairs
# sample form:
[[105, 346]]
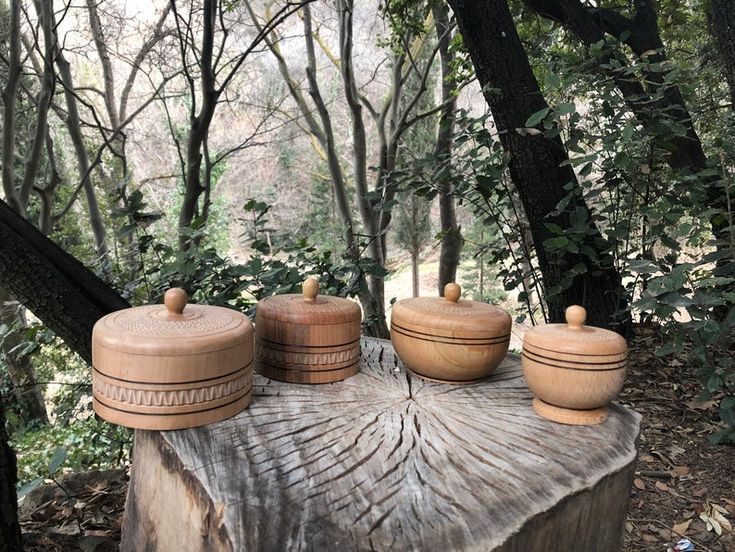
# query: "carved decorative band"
[[172, 397], [267, 354]]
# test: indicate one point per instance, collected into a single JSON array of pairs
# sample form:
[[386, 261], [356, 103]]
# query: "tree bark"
[[77, 138], [384, 461], [451, 244], [198, 122], [10, 535], [722, 27], [535, 164], [57, 288], [641, 34], [28, 396], [9, 94]]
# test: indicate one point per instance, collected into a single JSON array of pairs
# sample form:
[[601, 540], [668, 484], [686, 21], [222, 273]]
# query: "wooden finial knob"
[[576, 317], [310, 289], [452, 292], [175, 300]]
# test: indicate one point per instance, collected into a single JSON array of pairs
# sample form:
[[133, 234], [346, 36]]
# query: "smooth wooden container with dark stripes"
[[172, 367], [307, 338], [574, 370], [449, 339]]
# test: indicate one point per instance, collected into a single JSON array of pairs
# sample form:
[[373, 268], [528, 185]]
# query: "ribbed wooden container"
[[172, 367], [574, 370], [307, 338], [449, 339]]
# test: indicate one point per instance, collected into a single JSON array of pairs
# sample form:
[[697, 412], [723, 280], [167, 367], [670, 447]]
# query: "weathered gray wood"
[[385, 460]]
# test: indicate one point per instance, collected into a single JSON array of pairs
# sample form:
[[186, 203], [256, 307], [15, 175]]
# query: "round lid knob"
[[310, 289], [575, 317], [175, 300], [452, 292]]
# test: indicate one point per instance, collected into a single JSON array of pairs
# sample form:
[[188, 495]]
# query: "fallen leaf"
[[662, 486], [629, 527], [699, 492], [647, 458], [639, 484], [681, 528], [680, 471]]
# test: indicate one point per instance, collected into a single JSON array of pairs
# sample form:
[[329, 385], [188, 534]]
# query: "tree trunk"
[[10, 92], [384, 461], [28, 396], [416, 283], [722, 26], [513, 94], [10, 536], [590, 25], [451, 245], [77, 138], [57, 288]]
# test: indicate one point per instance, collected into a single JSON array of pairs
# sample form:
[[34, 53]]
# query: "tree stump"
[[385, 460]]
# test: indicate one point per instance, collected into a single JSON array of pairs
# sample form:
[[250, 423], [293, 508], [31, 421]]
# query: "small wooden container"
[[574, 370], [172, 367], [307, 338], [447, 339]]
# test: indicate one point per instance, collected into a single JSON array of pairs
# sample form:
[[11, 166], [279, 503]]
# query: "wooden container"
[[573, 370], [307, 338], [447, 339], [172, 367]]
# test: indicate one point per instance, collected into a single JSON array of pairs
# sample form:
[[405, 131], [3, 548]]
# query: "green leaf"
[[565, 108], [58, 459], [537, 117], [28, 487]]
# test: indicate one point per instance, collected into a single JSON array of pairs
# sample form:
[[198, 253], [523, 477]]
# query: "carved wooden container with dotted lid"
[[449, 339], [574, 370], [172, 366], [308, 338]]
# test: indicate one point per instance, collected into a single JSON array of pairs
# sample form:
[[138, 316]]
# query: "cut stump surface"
[[385, 460]]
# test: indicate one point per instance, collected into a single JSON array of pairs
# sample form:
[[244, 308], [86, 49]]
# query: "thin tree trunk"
[[10, 535], [10, 93], [20, 368], [535, 164], [199, 124], [416, 287], [722, 27], [77, 138], [451, 244]]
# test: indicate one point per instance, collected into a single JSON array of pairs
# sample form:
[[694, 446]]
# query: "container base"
[[453, 382], [569, 416]]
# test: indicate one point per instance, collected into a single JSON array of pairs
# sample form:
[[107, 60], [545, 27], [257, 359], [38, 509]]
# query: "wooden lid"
[[173, 329], [451, 316], [574, 343], [308, 307]]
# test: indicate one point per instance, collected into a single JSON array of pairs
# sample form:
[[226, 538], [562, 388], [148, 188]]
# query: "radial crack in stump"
[[385, 460]]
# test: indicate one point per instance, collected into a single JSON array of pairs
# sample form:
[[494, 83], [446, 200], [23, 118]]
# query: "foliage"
[[85, 444]]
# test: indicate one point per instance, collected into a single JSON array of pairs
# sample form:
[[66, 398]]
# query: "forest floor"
[[681, 480]]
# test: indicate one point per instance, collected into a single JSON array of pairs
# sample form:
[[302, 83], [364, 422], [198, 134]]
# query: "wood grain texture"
[[574, 370], [172, 367], [307, 338], [448, 339], [381, 461]]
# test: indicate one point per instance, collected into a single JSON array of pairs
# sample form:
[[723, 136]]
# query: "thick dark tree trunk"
[[513, 94], [52, 284], [10, 536], [451, 245], [642, 36], [722, 26]]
